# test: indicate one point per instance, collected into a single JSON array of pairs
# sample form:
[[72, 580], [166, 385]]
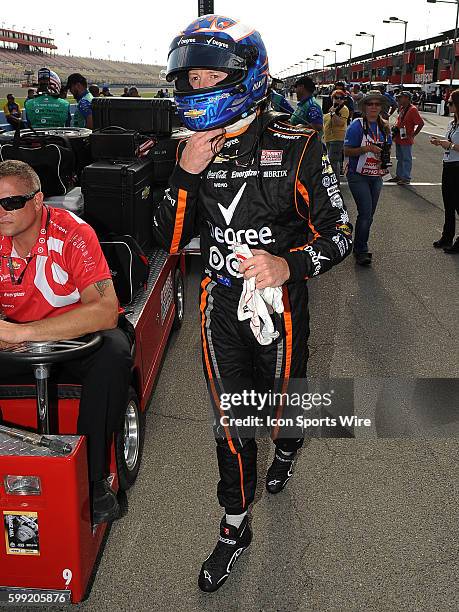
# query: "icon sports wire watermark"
[[364, 407]]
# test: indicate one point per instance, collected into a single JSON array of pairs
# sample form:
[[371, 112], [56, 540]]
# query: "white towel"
[[258, 304]]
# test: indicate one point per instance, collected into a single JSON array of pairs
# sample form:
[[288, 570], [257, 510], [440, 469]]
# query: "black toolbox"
[[118, 198], [115, 143], [164, 154], [146, 115]]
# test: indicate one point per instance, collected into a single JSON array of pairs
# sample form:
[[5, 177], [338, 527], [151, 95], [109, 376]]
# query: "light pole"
[[323, 63], [336, 67], [372, 51], [350, 58], [397, 20], [453, 66], [307, 60], [312, 59]]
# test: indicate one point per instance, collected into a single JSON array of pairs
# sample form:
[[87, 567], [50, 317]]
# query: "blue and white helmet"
[[218, 43]]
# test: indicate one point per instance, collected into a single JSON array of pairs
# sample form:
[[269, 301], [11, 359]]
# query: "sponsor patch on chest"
[[271, 157]]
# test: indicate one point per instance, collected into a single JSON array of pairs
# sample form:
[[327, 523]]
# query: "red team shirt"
[[65, 260]]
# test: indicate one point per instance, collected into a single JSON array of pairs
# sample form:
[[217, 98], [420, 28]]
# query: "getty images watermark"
[[283, 410]]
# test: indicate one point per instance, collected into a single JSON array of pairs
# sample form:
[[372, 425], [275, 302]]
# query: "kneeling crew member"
[[55, 285]]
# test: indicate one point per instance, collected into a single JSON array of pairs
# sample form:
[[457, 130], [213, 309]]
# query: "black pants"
[[450, 192], [233, 360], [104, 376]]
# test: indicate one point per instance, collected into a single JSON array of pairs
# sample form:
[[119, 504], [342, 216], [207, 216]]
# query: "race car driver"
[[48, 109], [55, 285], [246, 176]]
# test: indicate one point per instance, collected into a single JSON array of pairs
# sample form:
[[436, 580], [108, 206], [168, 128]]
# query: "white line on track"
[[432, 133]]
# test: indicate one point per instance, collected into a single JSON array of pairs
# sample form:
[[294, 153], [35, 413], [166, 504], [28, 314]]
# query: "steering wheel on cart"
[[40, 356], [49, 352]]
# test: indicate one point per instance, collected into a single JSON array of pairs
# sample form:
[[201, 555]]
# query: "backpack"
[[51, 156], [128, 265]]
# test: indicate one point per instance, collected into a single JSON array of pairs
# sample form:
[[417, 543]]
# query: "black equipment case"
[[50, 155], [115, 143], [77, 138], [146, 115], [128, 266], [164, 154], [118, 198]]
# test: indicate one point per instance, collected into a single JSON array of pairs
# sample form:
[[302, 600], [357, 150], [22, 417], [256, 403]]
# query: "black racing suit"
[[277, 192]]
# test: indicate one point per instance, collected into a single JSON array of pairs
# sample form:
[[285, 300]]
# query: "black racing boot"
[[442, 243], [230, 546], [105, 507], [280, 471], [363, 259], [454, 249]]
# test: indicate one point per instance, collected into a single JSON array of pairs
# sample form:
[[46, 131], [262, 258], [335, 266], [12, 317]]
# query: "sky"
[[143, 29]]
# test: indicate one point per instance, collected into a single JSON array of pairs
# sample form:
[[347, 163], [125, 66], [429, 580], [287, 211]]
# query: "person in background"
[[125, 93], [450, 178], [308, 111], [94, 90], [13, 112], [47, 109], [78, 86], [30, 94], [106, 92], [166, 93], [409, 124], [392, 102], [356, 95], [277, 100], [63, 92], [363, 144], [335, 123], [445, 98], [133, 92], [348, 101]]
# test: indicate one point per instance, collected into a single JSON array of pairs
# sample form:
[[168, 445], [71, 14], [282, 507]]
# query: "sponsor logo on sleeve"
[[332, 190], [316, 258], [342, 244], [344, 228], [337, 201]]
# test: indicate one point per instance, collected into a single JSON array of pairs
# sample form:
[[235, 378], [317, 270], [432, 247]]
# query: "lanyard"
[[10, 264], [368, 131]]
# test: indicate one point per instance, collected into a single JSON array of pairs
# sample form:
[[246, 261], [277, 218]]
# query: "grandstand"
[[22, 54]]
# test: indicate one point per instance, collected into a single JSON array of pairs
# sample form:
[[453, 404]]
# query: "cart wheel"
[[179, 299], [129, 442]]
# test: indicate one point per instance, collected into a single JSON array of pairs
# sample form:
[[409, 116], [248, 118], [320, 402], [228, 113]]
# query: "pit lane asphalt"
[[365, 524]]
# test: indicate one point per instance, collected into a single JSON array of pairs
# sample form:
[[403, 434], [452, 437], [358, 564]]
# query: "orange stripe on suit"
[[179, 218]]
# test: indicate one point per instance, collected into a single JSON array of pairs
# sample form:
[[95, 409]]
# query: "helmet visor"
[[202, 56]]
